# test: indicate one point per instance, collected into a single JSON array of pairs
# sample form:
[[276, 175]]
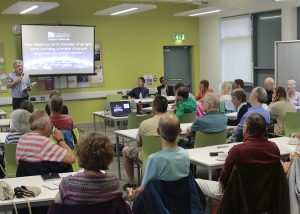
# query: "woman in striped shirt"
[[93, 185]]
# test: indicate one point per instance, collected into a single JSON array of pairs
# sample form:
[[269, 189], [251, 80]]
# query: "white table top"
[[2, 113], [47, 195], [4, 122], [2, 137], [201, 155], [150, 100], [108, 115], [232, 115]]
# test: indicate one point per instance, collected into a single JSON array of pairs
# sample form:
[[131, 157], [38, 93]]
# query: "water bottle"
[[140, 96]]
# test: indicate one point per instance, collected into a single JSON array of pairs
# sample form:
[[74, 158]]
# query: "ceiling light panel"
[[30, 7], [125, 9], [201, 11]]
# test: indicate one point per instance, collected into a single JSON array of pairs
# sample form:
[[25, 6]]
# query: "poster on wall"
[[83, 81], [2, 68], [148, 79], [72, 81]]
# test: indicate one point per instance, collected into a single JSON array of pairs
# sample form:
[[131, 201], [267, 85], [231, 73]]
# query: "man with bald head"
[[172, 162], [269, 86]]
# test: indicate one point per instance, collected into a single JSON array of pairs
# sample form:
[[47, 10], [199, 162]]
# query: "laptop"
[[120, 108]]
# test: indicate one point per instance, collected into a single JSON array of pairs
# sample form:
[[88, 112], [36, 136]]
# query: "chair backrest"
[[151, 144], [291, 123], [134, 121], [113, 97], [209, 139], [256, 188], [10, 159], [222, 107], [188, 117]]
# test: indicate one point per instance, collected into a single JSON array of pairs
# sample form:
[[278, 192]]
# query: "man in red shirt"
[[256, 149], [60, 121], [204, 88]]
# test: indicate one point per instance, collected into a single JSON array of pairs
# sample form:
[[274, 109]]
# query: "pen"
[[218, 147]]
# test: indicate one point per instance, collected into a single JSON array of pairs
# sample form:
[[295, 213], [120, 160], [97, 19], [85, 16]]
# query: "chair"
[[10, 160], [291, 123], [113, 97], [134, 121], [151, 144], [209, 139], [222, 108], [188, 117]]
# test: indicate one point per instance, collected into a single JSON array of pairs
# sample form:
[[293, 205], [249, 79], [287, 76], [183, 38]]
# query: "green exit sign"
[[178, 37]]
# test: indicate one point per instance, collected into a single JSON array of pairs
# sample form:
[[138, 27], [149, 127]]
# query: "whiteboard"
[[287, 62]]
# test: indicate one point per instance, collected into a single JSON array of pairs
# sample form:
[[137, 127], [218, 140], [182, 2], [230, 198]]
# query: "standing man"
[[164, 88], [19, 84]]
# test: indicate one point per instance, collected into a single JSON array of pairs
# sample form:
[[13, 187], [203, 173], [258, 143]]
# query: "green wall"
[[132, 45]]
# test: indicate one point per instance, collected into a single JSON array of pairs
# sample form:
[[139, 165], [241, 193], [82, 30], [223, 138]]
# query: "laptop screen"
[[120, 108]]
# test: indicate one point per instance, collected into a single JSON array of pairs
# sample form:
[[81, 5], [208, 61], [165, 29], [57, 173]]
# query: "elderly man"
[[212, 122], [257, 97], [172, 162], [36, 146], [60, 121], [147, 128], [269, 86], [255, 149], [19, 84], [203, 89], [139, 92]]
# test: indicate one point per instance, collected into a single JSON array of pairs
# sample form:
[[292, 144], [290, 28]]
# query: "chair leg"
[[138, 168]]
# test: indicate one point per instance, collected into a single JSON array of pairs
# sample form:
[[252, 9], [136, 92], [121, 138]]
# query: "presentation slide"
[[57, 50]]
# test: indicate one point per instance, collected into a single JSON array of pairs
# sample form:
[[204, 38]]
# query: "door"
[[178, 65]]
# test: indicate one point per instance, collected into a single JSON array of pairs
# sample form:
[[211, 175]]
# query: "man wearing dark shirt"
[[140, 91], [269, 86], [164, 88], [256, 149]]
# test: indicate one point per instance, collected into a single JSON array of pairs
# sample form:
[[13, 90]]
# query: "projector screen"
[[57, 50]]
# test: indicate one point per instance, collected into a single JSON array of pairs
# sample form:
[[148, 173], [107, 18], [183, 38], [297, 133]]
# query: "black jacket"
[[170, 90], [240, 114]]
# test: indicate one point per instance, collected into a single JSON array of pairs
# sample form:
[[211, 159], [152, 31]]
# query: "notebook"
[[120, 108]]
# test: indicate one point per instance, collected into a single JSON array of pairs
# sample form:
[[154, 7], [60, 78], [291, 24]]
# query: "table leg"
[[94, 122], [118, 155], [210, 173]]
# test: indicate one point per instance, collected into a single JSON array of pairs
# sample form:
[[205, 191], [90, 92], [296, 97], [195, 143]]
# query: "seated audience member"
[[93, 185], [238, 83], [185, 104], [293, 155], [226, 90], [164, 88], [238, 97], [203, 89], [172, 162], [177, 86], [27, 105], [64, 109], [293, 96], [211, 122], [19, 125], [257, 97], [269, 86], [36, 146], [60, 121], [279, 107], [141, 90], [147, 128], [255, 149]]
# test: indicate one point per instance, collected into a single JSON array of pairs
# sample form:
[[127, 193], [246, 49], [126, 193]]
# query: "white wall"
[[210, 41]]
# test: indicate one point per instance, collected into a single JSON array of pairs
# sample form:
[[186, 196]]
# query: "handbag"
[[6, 192], [27, 191]]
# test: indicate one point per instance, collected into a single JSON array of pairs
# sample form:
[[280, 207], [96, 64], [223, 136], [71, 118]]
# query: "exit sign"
[[178, 37]]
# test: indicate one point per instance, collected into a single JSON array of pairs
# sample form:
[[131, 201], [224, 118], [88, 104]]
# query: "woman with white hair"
[[19, 125], [293, 96]]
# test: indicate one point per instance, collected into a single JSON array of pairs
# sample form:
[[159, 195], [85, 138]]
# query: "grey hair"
[[20, 121], [292, 82], [16, 62], [270, 80], [260, 94], [38, 120], [213, 99], [240, 94], [169, 126]]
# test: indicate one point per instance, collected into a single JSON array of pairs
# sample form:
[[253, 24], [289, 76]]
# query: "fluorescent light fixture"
[[205, 13], [201, 11], [125, 9], [270, 17], [30, 7]]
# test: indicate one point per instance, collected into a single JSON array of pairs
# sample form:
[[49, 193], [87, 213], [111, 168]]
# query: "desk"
[[131, 134], [2, 137], [150, 100], [4, 123], [232, 115], [200, 156], [45, 198], [2, 114], [105, 116]]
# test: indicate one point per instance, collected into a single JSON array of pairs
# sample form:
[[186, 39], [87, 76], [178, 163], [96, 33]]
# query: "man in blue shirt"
[[19, 84], [172, 162], [258, 96], [140, 91]]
